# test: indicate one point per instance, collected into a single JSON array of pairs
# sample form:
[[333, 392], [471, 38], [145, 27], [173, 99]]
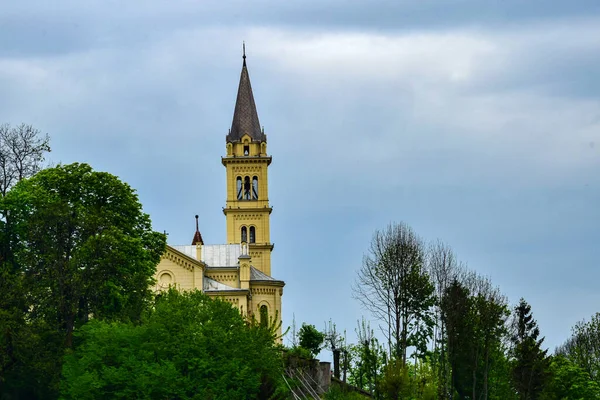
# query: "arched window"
[[255, 188], [244, 234], [247, 188], [239, 187], [252, 234], [264, 316]]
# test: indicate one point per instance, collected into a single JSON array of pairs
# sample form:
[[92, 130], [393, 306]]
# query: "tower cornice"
[[246, 160], [239, 210]]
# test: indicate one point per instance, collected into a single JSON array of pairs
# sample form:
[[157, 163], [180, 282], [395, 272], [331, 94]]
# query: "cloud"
[[438, 95], [476, 122]]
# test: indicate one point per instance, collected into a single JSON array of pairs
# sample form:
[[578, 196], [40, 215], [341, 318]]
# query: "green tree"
[[395, 383], [568, 381], [83, 244], [75, 245], [457, 312], [583, 347], [474, 317], [395, 287], [530, 365], [22, 151], [443, 268], [311, 339], [187, 347], [368, 358]]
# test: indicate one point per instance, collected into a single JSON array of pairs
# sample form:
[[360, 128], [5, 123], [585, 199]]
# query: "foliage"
[[30, 353], [335, 392], [301, 352], [83, 245], [530, 365], [443, 268], [74, 244], [457, 314], [569, 381], [395, 287], [24, 356], [500, 387], [368, 358], [475, 327], [583, 347], [311, 339], [188, 347], [395, 383]]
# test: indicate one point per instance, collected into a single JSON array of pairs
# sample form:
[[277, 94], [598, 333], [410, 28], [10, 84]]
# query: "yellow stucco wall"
[[249, 213], [179, 271]]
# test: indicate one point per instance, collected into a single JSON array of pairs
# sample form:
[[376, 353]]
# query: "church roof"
[[245, 116], [214, 255], [212, 285], [221, 255], [256, 275]]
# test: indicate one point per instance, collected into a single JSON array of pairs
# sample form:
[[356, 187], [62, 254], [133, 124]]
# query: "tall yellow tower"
[[240, 271], [247, 208]]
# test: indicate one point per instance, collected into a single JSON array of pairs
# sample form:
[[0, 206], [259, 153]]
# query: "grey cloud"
[[39, 27], [487, 160]]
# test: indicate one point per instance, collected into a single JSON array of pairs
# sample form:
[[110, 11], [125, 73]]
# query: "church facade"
[[240, 270]]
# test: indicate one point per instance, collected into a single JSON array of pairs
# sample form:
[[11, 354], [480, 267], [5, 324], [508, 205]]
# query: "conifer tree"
[[530, 363]]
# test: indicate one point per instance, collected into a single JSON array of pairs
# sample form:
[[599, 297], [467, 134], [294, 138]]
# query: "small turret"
[[244, 260], [197, 236]]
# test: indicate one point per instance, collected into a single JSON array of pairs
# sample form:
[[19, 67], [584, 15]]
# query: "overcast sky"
[[475, 122]]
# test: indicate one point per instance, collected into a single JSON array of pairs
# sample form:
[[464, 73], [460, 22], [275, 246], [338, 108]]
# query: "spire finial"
[[197, 236], [244, 52]]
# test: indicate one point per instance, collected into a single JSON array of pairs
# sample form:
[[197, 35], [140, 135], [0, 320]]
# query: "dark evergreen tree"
[[458, 318], [530, 363], [474, 314]]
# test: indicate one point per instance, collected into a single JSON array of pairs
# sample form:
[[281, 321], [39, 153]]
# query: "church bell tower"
[[247, 208]]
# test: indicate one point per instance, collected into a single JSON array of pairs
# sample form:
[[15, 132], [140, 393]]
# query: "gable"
[[179, 270]]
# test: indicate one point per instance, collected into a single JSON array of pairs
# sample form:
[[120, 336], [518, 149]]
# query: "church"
[[240, 270]]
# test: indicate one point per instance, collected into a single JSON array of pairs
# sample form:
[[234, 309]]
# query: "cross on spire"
[[244, 53]]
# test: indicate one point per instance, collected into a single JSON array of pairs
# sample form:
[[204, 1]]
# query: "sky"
[[474, 122]]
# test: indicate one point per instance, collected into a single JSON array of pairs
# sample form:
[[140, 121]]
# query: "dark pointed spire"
[[197, 236], [245, 117]]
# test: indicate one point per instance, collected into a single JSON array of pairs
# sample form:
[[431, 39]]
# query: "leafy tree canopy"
[[569, 381], [83, 244], [74, 244], [188, 347], [311, 339]]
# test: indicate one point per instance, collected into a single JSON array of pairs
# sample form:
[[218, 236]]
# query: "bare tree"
[[395, 287], [443, 269], [492, 313], [22, 150]]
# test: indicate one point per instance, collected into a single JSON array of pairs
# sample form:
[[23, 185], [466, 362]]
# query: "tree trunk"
[[336, 363], [485, 372]]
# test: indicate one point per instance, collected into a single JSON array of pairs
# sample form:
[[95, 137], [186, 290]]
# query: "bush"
[[188, 347]]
